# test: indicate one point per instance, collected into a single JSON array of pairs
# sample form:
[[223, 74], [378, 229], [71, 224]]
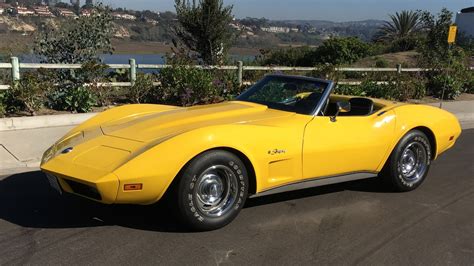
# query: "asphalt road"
[[350, 223]]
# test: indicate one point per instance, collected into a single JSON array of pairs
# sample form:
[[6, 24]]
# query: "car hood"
[[154, 126]]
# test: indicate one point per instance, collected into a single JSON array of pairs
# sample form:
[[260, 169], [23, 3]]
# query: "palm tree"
[[402, 25]]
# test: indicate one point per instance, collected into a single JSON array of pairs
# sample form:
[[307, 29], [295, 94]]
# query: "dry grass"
[[406, 59], [13, 44]]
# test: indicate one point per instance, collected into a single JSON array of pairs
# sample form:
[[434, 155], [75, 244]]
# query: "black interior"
[[359, 107], [307, 105]]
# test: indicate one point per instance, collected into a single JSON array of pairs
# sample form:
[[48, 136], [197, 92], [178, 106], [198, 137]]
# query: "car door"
[[351, 144]]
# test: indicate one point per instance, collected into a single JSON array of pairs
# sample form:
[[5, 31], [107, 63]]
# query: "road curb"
[[465, 117], [22, 123]]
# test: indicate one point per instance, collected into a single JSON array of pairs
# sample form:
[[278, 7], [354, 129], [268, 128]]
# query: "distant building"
[[123, 16], [24, 11], [42, 11], [64, 12], [151, 21], [465, 21], [86, 12], [276, 29]]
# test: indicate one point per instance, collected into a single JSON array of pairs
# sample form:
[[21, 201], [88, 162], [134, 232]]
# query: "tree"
[[435, 48], [449, 75], [400, 30], [339, 51], [77, 41], [204, 28]]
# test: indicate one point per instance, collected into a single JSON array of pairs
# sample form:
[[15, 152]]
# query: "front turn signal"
[[132, 187]]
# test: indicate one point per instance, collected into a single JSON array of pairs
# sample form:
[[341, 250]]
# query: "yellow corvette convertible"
[[283, 133]]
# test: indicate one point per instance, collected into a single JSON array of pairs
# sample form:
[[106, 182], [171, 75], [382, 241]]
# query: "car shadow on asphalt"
[[27, 200], [372, 185]]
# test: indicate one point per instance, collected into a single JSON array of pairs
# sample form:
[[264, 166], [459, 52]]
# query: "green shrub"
[[73, 98], [3, 106], [335, 51], [420, 90], [355, 75], [469, 85], [140, 91], [354, 90], [119, 75], [227, 84], [326, 71], [406, 43], [339, 51], [400, 88], [447, 84], [406, 87], [381, 62], [187, 86], [372, 89], [27, 94], [93, 73], [293, 56]]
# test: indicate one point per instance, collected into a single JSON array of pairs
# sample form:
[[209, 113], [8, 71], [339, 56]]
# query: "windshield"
[[291, 94]]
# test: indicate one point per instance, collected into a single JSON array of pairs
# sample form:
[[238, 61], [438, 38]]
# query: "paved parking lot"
[[351, 223]]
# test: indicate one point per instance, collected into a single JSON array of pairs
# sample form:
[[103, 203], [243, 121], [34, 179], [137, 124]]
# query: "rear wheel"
[[409, 162], [212, 190]]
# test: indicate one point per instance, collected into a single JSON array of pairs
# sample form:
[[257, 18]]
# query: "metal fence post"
[[15, 68], [133, 70], [399, 68], [240, 72]]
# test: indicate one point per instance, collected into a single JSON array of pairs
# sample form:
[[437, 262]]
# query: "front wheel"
[[212, 190], [409, 162]]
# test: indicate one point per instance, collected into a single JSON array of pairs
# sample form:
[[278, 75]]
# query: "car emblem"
[[67, 150], [276, 151]]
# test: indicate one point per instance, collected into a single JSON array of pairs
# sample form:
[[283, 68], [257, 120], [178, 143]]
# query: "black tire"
[[211, 190], [409, 163]]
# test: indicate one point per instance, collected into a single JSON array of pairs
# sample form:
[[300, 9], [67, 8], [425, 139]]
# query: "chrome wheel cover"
[[413, 163], [216, 190]]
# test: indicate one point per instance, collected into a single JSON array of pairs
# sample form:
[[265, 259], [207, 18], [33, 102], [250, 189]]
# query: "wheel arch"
[[248, 165], [425, 130], [431, 138]]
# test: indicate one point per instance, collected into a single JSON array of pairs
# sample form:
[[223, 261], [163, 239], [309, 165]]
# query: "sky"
[[334, 10]]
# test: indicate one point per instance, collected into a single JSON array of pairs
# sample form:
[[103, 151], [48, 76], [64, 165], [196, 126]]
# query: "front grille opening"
[[84, 190]]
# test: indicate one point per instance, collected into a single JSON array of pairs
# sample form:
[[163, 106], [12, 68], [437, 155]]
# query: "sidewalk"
[[23, 140], [464, 110]]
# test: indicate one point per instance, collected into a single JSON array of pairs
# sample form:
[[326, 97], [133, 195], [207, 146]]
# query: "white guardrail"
[[15, 67]]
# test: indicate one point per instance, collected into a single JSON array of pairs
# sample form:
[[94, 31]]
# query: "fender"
[[158, 167], [444, 126]]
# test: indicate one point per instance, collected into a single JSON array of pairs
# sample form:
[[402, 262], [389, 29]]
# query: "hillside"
[[153, 27], [406, 59], [13, 24]]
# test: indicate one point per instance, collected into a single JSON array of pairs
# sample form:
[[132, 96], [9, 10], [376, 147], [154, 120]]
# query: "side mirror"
[[342, 107]]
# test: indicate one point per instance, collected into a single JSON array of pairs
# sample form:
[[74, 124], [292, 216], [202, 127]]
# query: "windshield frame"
[[328, 88]]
